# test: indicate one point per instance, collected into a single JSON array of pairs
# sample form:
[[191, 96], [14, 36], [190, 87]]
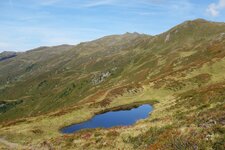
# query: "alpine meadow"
[[180, 73]]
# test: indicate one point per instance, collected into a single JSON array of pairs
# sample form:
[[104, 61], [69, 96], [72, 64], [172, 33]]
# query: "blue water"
[[112, 119]]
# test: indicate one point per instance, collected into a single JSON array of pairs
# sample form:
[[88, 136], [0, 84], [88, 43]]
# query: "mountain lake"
[[112, 119]]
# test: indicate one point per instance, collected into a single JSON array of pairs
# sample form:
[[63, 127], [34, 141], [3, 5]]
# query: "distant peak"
[[199, 20], [7, 52], [132, 33]]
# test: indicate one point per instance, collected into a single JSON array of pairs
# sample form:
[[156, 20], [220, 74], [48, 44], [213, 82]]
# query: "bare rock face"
[[167, 38], [99, 78]]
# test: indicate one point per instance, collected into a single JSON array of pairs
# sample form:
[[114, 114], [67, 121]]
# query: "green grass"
[[183, 79]]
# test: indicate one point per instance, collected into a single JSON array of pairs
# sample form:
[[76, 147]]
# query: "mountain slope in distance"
[[180, 72]]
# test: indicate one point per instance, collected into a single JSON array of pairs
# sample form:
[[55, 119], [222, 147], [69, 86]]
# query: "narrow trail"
[[10, 145]]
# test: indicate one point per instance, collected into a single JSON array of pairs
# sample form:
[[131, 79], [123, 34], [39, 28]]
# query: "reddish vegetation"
[[37, 131], [86, 136], [94, 97], [203, 95], [120, 90], [10, 123], [65, 111], [105, 102]]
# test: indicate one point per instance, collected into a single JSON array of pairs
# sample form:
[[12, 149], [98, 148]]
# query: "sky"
[[27, 24]]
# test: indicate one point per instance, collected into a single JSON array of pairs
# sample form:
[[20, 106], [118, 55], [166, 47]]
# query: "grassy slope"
[[184, 74]]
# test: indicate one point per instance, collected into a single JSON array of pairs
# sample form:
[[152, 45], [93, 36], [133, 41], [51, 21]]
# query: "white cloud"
[[215, 8]]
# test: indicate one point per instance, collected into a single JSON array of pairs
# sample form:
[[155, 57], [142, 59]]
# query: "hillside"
[[180, 72]]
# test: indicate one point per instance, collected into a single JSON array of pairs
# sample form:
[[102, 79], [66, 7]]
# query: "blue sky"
[[26, 24]]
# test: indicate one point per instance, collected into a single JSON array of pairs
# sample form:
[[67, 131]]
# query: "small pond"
[[112, 119]]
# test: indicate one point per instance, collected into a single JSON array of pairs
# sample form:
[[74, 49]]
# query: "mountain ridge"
[[180, 72], [198, 20]]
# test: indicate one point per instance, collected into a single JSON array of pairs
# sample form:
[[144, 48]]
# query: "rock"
[[101, 77], [167, 38]]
